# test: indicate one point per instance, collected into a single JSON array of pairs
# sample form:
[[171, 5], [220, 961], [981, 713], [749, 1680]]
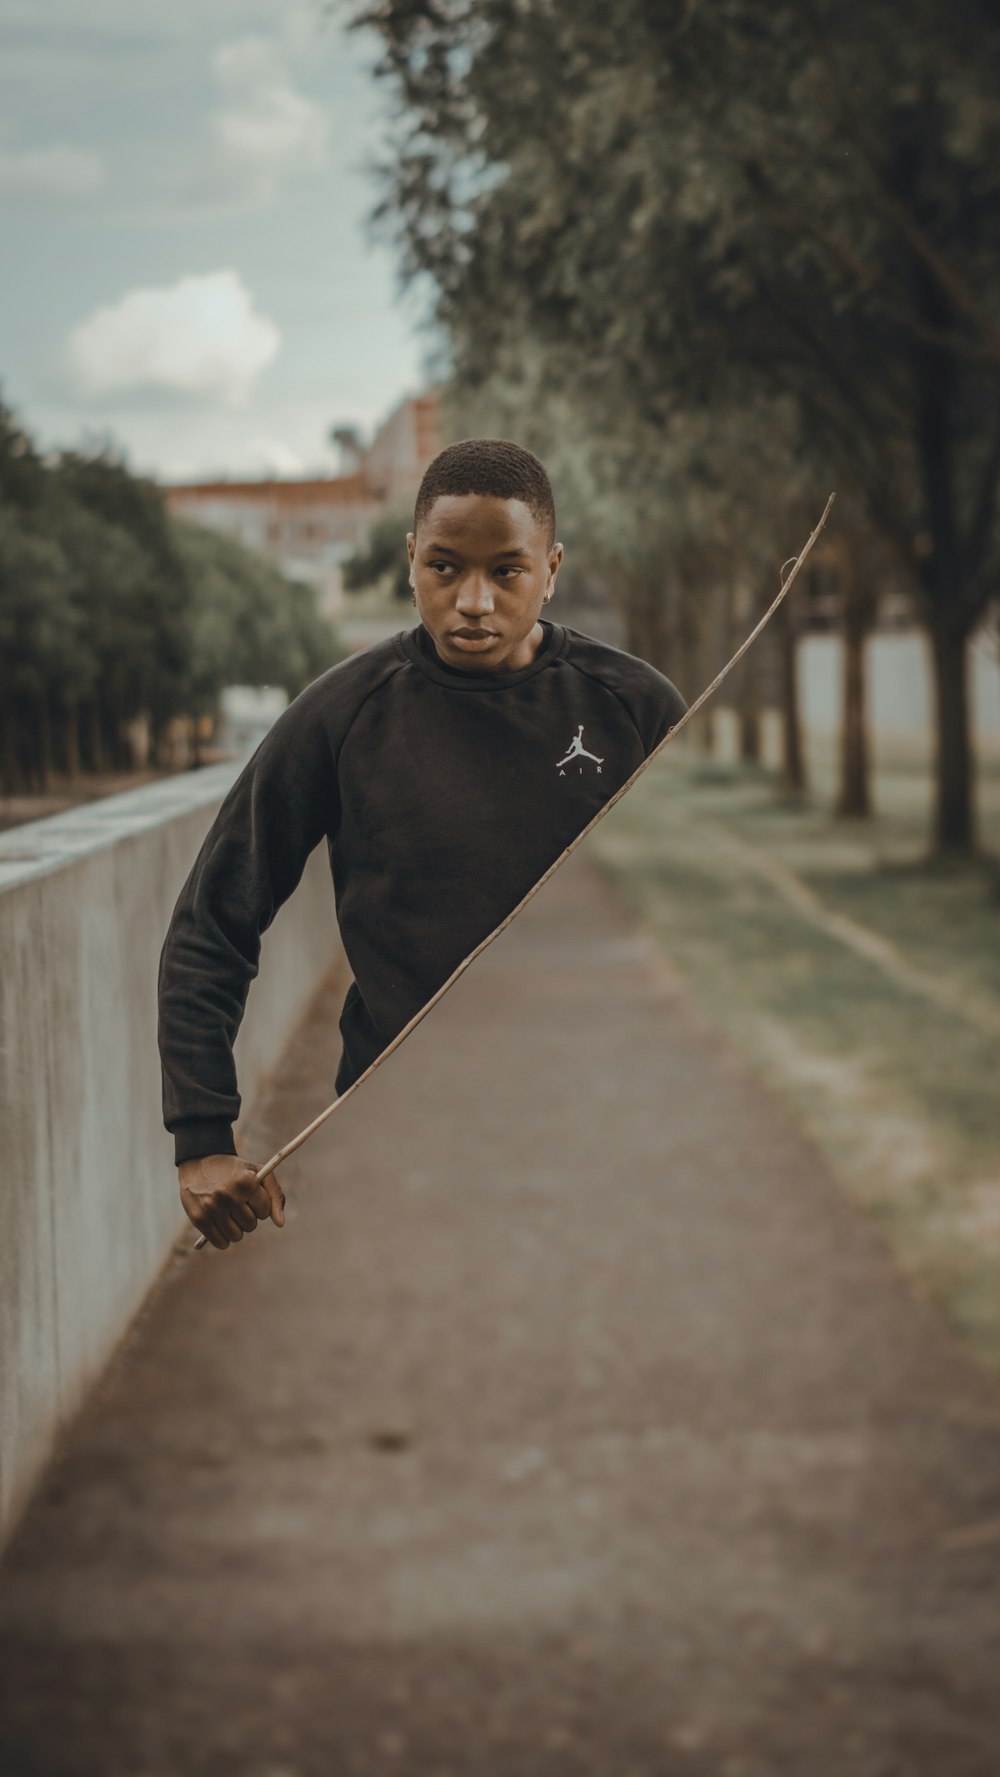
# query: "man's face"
[[481, 567]]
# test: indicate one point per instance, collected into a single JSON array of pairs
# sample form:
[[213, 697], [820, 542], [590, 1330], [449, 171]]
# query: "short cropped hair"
[[489, 466]]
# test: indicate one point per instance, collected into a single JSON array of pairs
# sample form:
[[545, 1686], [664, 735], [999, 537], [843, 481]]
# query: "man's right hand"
[[224, 1200]]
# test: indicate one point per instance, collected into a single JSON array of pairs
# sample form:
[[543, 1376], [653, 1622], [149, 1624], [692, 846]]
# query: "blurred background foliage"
[[711, 261], [112, 611], [383, 558]]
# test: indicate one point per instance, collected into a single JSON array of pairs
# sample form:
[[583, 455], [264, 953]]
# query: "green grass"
[[893, 1070]]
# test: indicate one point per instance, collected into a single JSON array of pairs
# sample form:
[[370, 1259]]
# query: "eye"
[[439, 566], [508, 570]]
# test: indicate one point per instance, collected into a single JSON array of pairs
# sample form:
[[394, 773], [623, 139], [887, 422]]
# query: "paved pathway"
[[574, 1425]]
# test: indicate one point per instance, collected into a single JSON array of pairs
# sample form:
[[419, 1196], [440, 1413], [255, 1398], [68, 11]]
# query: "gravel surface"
[[575, 1424]]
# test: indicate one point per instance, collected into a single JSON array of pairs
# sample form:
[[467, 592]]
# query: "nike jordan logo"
[[577, 750]]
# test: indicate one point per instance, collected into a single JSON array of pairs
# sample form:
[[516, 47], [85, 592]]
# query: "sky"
[[187, 265]]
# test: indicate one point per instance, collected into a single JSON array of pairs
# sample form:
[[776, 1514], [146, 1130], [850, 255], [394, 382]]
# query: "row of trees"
[[712, 261], [111, 609]]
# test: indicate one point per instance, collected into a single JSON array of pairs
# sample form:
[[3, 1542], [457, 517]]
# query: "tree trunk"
[[644, 637], [119, 747], [707, 732], [954, 827], [71, 736], [793, 767], [854, 794], [741, 610], [157, 737], [44, 746], [95, 737], [8, 749], [749, 713], [650, 631], [705, 602]]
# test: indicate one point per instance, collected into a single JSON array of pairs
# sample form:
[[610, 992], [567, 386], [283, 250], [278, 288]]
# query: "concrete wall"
[[88, 1192]]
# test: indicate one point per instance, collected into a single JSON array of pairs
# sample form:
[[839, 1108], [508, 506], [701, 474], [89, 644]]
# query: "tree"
[[110, 610], [39, 644], [249, 625], [383, 557], [714, 204], [136, 589]]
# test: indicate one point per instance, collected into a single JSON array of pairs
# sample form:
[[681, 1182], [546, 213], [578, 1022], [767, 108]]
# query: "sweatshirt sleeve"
[[651, 700], [277, 811], [659, 709]]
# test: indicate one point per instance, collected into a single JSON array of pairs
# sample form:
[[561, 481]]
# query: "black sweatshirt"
[[443, 796]]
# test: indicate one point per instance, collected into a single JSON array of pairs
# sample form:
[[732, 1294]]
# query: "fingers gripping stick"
[[787, 580], [237, 1200]]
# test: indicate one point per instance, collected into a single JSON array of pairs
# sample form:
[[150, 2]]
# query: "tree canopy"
[[110, 609], [665, 236]]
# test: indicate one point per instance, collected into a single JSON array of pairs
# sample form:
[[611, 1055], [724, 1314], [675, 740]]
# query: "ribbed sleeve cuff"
[[200, 1136]]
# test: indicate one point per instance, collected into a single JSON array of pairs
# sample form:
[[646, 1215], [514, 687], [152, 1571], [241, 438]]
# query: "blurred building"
[[402, 447], [310, 527]]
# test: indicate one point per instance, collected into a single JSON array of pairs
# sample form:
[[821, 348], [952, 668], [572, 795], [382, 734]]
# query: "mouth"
[[473, 638]]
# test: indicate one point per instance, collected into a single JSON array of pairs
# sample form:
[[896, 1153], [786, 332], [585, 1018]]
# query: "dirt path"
[[575, 1425]]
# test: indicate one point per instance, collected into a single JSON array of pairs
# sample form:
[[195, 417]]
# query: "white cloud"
[[200, 336], [276, 457], [58, 171], [264, 130]]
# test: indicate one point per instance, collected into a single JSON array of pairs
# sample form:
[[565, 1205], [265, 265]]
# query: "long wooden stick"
[[324, 1116]]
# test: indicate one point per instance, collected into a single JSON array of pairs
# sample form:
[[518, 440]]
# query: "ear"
[[554, 562], [411, 544]]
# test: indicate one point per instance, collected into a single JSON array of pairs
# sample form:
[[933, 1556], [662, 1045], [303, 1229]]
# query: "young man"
[[446, 768]]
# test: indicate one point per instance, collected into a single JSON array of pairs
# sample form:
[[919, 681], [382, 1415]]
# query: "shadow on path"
[[575, 1424]]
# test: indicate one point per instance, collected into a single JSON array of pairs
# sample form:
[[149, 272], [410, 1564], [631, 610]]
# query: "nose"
[[475, 596]]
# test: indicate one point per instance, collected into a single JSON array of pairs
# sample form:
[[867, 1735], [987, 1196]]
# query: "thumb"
[[277, 1200]]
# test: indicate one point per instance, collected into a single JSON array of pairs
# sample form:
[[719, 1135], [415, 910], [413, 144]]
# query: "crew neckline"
[[417, 647]]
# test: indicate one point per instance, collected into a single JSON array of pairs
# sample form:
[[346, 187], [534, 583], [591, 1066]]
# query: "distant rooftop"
[[389, 468], [332, 489]]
